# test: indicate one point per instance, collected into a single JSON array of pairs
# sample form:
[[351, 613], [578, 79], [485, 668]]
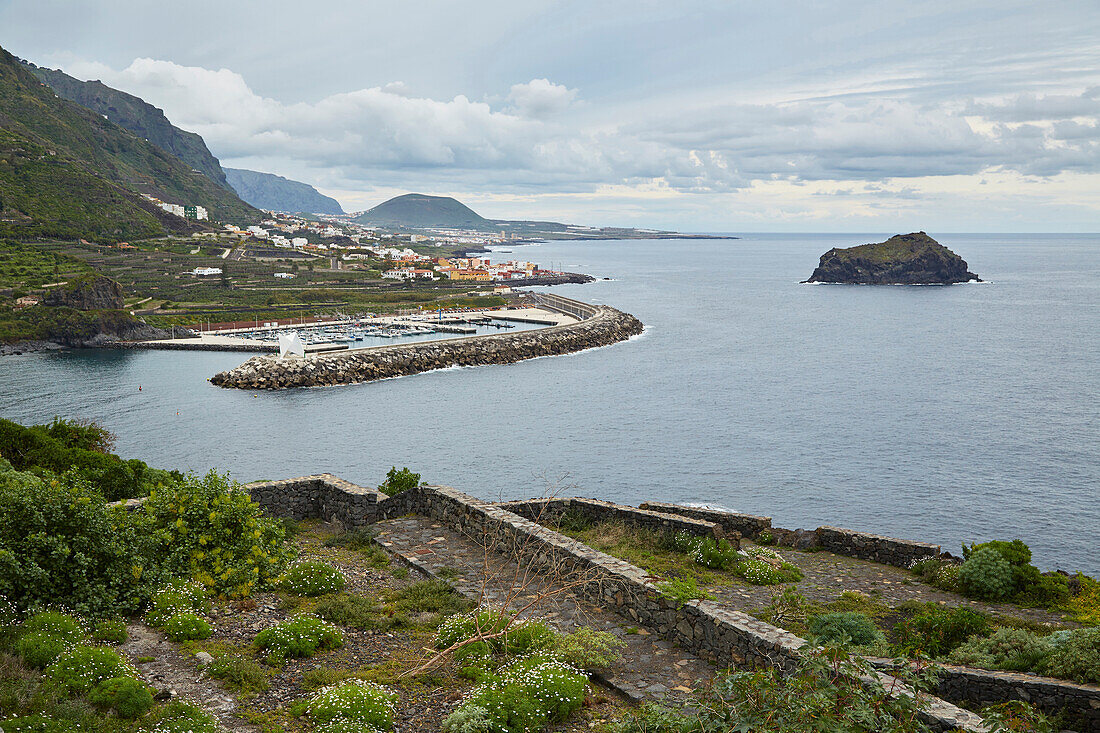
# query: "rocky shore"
[[904, 259], [606, 326]]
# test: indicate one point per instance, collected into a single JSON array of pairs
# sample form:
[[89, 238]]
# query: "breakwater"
[[601, 326]]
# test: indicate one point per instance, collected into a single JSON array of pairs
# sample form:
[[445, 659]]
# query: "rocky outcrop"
[[606, 326], [905, 259], [86, 293]]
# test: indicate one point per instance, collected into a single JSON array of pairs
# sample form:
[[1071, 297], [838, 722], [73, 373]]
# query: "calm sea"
[[941, 414]]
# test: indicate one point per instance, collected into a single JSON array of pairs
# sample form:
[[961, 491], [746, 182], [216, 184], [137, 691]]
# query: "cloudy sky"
[[848, 115]]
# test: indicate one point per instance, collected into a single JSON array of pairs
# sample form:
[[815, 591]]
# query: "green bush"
[[61, 545], [81, 668], [1075, 655], [312, 578], [939, 573], [129, 697], [1040, 590], [239, 674], [938, 630], [431, 596], [1015, 650], [212, 531], [355, 612], [588, 649], [460, 627], [357, 704], [398, 482], [58, 624], [39, 649], [527, 695], [301, 636], [64, 446], [186, 626], [175, 597], [847, 627], [986, 574], [681, 590], [184, 718], [112, 631]]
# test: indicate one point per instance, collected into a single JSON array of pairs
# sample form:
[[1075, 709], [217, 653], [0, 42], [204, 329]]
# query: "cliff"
[[275, 193], [137, 116], [90, 292], [904, 259]]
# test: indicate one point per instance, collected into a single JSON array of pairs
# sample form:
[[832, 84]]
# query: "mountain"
[[416, 211], [275, 193], [65, 171], [904, 259], [137, 116]]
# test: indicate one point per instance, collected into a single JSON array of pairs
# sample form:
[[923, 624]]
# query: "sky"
[[725, 116]]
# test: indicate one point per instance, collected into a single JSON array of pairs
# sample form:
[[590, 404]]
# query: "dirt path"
[[178, 672]]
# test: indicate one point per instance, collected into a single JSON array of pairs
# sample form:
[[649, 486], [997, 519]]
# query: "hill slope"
[[137, 116], [63, 157], [416, 210], [275, 193]]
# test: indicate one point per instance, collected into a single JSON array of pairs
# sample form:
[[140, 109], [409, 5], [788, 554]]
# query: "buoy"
[[139, 388]]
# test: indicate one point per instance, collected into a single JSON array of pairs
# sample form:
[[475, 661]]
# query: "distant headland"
[[904, 259]]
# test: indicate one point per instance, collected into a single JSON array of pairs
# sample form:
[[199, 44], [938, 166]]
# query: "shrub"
[[398, 482], [719, 554], [1075, 655], [56, 624], [312, 579], [179, 596], [460, 627], [556, 687], [587, 648], [357, 704], [847, 627], [681, 590], [468, 719], [113, 631], [302, 636], [347, 610], [61, 544], [762, 566], [81, 668], [184, 718], [938, 630], [939, 573], [39, 649], [212, 531], [508, 708], [1016, 650], [128, 697], [186, 626], [239, 674], [433, 596], [1084, 604], [1041, 590], [986, 574], [1015, 553]]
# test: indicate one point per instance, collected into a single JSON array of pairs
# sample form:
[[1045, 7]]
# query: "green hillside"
[[137, 116], [65, 170], [416, 210]]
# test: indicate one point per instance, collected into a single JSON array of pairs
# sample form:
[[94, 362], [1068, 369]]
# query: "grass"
[[648, 550]]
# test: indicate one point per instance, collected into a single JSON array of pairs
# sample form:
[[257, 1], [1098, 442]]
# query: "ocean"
[[943, 414]]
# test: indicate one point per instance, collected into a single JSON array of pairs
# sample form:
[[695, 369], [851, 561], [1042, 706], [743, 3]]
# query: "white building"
[[299, 241], [285, 275], [206, 271], [258, 232]]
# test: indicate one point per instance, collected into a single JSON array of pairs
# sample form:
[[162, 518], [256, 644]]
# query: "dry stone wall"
[[549, 512], [606, 326], [323, 496], [746, 525]]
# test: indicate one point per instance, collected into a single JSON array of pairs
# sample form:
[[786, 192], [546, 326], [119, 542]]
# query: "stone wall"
[[864, 545], [606, 326], [981, 687], [746, 525], [549, 512], [323, 496], [874, 547], [704, 627]]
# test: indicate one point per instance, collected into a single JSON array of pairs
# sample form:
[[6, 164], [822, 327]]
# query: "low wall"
[[746, 525], [864, 545], [867, 546], [706, 628], [549, 512], [323, 496], [981, 687], [606, 326]]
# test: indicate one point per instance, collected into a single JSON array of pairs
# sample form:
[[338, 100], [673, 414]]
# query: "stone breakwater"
[[604, 327]]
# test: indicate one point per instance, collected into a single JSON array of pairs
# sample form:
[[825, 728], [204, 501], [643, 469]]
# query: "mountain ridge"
[[276, 193], [418, 210]]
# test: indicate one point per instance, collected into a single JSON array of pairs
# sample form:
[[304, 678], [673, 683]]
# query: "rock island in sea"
[[904, 259]]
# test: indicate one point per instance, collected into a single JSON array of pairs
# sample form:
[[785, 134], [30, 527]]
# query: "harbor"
[[349, 334]]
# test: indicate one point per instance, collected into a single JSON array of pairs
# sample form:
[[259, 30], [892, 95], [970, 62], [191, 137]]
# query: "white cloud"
[[540, 98]]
